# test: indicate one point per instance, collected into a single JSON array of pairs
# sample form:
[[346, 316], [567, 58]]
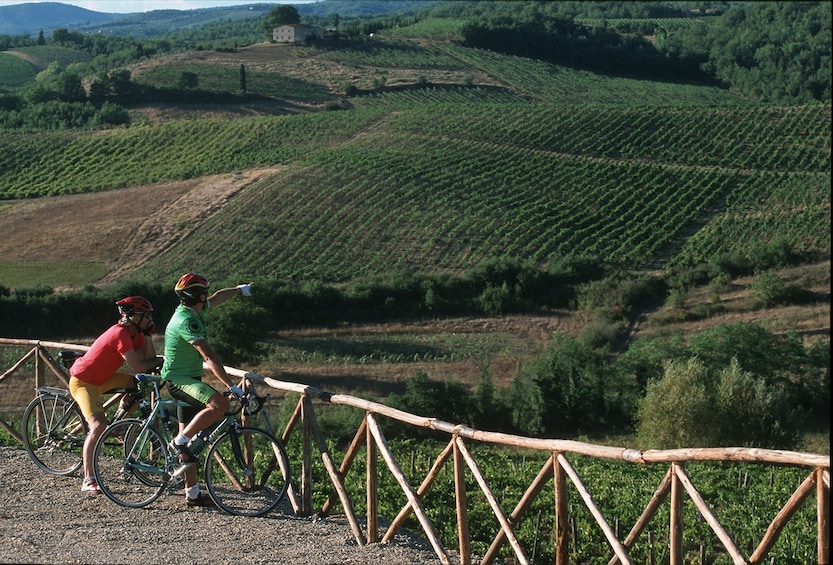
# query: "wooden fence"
[[557, 468]]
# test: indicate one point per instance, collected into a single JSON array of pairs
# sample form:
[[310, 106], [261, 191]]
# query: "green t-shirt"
[[182, 360]]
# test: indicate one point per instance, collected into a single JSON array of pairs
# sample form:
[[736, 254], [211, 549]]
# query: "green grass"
[[50, 274], [64, 56], [15, 72], [431, 28], [225, 79], [397, 348]]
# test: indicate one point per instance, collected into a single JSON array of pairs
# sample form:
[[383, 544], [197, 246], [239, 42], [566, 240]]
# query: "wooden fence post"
[[562, 546], [675, 528], [372, 489], [306, 458], [39, 368], [823, 513], [462, 505]]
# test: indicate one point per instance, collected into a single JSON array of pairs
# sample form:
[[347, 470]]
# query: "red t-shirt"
[[106, 355]]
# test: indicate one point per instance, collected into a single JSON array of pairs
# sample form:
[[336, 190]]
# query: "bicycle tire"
[[250, 487], [53, 433], [130, 463]]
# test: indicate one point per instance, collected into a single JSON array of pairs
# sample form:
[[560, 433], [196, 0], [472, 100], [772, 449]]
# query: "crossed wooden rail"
[[370, 436]]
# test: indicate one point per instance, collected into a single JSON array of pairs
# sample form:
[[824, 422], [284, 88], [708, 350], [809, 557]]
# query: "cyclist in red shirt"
[[97, 371]]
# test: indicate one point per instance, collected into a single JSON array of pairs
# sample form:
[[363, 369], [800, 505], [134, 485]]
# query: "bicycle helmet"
[[190, 286], [133, 305]]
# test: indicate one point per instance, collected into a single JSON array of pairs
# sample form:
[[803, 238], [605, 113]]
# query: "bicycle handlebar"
[[250, 402]]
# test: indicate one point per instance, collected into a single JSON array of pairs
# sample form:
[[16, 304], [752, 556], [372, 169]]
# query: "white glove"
[[245, 289], [236, 390]]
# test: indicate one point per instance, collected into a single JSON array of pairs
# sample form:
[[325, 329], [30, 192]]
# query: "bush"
[[448, 401], [112, 114], [498, 300], [753, 413], [732, 264], [234, 329], [695, 406], [678, 409], [571, 380], [768, 290]]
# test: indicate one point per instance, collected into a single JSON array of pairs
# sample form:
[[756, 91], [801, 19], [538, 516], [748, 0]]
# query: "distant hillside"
[[30, 19]]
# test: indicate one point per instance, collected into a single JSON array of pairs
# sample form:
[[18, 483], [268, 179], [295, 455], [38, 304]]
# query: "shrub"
[[571, 379], [732, 264], [448, 400], [498, 300], [678, 409], [753, 413], [693, 405], [768, 290], [234, 329], [112, 114]]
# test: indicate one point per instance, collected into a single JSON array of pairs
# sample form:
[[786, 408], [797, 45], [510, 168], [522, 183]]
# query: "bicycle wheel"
[[53, 433], [130, 463], [247, 472]]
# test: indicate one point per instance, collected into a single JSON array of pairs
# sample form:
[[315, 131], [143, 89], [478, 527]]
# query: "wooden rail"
[[557, 468]]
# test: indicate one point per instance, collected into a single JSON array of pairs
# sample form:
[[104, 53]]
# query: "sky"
[[132, 6]]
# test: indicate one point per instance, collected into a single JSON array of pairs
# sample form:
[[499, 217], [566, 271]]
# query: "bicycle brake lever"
[[259, 401]]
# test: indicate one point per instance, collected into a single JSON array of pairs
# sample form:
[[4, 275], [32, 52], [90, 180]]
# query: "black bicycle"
[[246, 469], [54, 429]]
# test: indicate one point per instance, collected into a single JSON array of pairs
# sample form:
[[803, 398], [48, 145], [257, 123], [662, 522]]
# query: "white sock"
[[192, 492], [181, 439]]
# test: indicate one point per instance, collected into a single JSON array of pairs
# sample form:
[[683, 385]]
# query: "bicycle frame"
[[159, 414], [54, 430], [135, 463]]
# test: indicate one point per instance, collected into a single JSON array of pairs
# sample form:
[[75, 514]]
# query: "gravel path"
[[46, 519]]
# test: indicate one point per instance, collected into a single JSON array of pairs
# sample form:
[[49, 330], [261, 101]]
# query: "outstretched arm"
[[224, 294]]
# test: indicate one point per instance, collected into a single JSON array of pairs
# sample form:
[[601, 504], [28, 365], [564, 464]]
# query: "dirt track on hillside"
[[28, 58], [120, 227]]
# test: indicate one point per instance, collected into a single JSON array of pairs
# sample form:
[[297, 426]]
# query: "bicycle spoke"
[[243, 481], [53, 433], [130, 463]]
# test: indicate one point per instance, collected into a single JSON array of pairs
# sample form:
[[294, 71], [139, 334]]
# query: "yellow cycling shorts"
[[88, 396]]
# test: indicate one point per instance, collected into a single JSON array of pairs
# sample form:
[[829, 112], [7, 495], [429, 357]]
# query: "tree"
[[112, 114], [242, 78], [70, 88], [283, 14], [41, 39], [678, 409], [188, 80], [119, 83]]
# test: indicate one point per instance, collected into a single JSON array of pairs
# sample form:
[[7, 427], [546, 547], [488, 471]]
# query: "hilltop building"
[[294, 33]]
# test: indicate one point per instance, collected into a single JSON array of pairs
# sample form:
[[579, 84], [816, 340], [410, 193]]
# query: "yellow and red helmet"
[[191, 286]]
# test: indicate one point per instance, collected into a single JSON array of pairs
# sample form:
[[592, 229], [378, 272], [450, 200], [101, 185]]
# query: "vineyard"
[[430, 186], [399, 155]]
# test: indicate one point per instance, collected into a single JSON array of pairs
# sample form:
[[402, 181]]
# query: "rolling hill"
[[347, 162], [31, 18], [454, 156]]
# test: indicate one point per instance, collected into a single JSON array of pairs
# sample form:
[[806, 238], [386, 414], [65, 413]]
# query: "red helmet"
[[134, 305], [191, 285], [189, 280]]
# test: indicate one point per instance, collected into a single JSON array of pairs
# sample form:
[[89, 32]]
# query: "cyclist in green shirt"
[[186, 349]]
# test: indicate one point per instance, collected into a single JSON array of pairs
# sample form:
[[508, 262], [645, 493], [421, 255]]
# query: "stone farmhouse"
[[294, 33]]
